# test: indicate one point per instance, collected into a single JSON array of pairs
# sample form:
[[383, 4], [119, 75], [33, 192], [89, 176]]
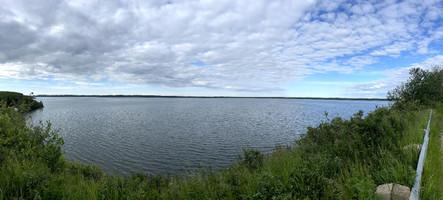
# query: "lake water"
[[173, 135]]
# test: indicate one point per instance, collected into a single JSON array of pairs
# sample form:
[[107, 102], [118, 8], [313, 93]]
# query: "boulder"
[[415, 147], [401, 192], [393, 191], [384, 191]]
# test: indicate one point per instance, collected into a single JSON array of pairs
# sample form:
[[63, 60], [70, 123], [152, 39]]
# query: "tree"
[[423, 88]]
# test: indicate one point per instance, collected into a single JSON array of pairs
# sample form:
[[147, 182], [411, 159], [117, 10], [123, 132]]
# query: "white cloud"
[[393, 50], [257, 44], [394, 78]]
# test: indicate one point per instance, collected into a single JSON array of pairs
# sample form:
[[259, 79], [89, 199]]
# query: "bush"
[[251, 159], [359, 186], [29, 155], [423, 88], [18, 100]]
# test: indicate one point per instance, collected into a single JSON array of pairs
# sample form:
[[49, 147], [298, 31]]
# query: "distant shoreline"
[[231, 97]]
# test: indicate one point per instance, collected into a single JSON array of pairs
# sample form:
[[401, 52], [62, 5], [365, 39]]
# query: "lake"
[[174, 135]]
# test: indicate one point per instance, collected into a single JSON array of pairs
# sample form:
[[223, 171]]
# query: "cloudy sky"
[[216, 47]]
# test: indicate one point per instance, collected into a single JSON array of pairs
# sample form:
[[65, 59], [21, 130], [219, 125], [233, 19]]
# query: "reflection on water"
[[172, 135]]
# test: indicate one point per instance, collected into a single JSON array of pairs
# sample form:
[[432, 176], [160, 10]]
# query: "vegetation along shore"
[[338, 159], [19, 101]]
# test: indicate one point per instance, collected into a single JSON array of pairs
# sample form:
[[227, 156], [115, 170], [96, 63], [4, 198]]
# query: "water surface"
[[172, 135]]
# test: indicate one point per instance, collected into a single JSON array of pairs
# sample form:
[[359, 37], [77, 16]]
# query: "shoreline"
[[216, 97]]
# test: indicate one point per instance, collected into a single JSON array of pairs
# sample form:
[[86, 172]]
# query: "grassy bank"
[[433, 169], [339, 159]]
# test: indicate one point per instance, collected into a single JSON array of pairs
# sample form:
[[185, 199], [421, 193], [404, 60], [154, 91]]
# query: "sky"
[[288, 48]]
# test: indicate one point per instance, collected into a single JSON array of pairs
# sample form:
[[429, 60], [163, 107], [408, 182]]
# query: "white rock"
[[416, 147], [393, 191], [384, 191], [401, 192]]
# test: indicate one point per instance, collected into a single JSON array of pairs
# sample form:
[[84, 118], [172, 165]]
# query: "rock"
[[424, 130], [416, 147], [401, 192], [384, 191], [393, 191]]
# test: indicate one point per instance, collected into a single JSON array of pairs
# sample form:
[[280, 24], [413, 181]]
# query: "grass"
[[339, 159], [432, 180]]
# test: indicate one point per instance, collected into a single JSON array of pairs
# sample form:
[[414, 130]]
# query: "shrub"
[[251, 159], [15, 99], [423, 88]]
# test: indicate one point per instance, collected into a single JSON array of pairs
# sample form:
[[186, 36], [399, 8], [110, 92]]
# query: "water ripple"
[[173, 135]]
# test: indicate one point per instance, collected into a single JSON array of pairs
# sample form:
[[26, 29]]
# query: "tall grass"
[[339, 159], [432, 180]]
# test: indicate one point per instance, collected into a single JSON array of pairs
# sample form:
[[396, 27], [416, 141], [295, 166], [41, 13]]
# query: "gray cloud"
[[243, 45]]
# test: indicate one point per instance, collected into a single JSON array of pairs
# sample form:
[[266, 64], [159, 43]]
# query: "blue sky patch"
[[198, 63]]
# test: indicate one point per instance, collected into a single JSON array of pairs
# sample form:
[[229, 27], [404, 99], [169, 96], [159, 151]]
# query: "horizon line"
[[192, 96]]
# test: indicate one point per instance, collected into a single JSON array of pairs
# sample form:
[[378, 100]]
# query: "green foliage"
[[28, 155], [18, 100], [432, 180], [400, 174], [310, 179], [423, 88], [339, 159], [357, 138], [251, 159], [359, 185]]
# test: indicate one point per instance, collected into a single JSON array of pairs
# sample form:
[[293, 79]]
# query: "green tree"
[[423, 88], [15, 99]]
